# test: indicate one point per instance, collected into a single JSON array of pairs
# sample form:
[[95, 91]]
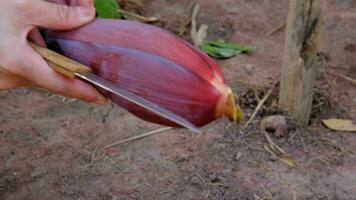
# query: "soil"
[[50, 149]]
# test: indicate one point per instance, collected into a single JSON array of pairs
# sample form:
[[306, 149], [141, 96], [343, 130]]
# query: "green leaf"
[[223, 50], [107, 9], [223, 44], [219, 53]]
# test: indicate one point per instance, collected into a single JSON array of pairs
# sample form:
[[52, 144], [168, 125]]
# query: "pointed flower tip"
[[238, 115], [227, 106]]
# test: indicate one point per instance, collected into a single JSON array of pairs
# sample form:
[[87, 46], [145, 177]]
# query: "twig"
[[259, 106], [165, 191], [346, 78], [325, 75], [69, 101], [139, 17], [68, 122], [294, 193], [252, 147], [93, 156], [302, 141], [183, 27], [291, 137], [275, 30], [277, 151], [144, 135], [196, 10], [273, 144], [197, 34], [106, 115]]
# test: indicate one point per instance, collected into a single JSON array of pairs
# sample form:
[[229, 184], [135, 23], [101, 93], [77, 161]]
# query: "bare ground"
[[55, 150]]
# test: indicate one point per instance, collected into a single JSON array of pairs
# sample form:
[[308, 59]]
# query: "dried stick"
[[139, 17], [275, 30], [259, 106], [346, 78], [93, 154], [197, 34], [144, 135], [196, 10]]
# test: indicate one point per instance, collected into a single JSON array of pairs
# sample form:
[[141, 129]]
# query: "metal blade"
[[133, 98]]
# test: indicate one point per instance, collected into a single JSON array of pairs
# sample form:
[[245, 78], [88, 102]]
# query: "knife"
[[73, 69]]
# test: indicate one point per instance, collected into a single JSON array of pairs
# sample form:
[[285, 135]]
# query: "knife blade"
[[137, 100]]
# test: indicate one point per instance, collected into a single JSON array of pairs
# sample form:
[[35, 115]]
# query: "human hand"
[[20, 65]]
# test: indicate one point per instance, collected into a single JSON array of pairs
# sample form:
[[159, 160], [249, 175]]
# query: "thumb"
[[61, 17]]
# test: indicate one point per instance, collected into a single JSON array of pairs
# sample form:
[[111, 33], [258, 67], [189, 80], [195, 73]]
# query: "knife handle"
[[60, 63]]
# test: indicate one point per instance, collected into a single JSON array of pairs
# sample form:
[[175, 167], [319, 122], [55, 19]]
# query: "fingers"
[[61, 17], [74, 2], [81, 2], [43, 76], [36, 37], [9, 81], [64, 2]]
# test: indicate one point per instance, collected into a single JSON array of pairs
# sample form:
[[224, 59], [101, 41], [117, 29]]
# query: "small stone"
[[248, 69], [276, 123], [238, 156], [195, 180], [37, 173]]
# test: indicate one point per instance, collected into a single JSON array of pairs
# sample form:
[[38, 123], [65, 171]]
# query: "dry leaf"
[[340, 125], [287, 159], [275, 150], [278, 152]]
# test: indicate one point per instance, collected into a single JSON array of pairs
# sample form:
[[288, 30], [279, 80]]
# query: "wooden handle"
[[61, 70], [60, 63]]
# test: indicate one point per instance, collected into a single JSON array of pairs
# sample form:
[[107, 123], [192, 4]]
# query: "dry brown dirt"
[[54, 150]]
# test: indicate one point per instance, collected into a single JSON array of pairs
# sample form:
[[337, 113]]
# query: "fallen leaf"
[[222, 50], [227, 45], [272, 147], [287, 159], [219, 53], [340, 125]]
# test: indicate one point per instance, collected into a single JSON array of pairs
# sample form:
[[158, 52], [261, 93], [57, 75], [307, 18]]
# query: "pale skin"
[[20, 65]]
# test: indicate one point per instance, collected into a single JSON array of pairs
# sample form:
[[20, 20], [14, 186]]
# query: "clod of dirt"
[[275, 123], [350, 47], [132, 5], [216, 178]]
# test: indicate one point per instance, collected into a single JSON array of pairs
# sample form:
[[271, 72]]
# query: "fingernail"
[[101, 100], [86, 12]]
